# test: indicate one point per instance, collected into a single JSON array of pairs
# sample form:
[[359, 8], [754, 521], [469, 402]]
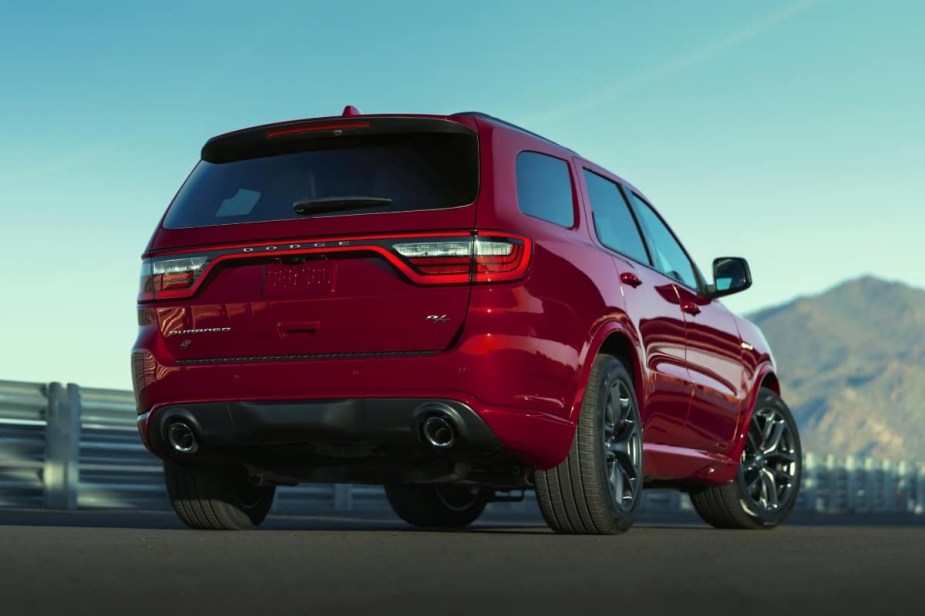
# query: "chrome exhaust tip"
[[439, 432], [181, 437]]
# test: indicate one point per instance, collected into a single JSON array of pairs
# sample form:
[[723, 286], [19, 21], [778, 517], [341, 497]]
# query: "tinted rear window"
[[415, 171]]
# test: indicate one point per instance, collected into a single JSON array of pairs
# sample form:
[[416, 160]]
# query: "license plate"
[[315, 278]]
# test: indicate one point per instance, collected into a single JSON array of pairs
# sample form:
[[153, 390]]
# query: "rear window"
[[414, 171]]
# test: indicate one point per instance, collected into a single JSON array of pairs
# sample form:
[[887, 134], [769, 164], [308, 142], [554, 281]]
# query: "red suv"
[[456, 308]]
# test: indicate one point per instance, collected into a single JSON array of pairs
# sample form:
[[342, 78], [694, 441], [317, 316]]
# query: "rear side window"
[[412, 171], [544, 188], [614, 223]]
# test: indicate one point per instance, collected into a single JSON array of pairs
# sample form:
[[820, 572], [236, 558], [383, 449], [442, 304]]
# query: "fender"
[[764, 369], [606, 326]]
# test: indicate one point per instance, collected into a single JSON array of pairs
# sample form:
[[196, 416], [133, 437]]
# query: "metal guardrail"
[[67, 447], [23, 408]]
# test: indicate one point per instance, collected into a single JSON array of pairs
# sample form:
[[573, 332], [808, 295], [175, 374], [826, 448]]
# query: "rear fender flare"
[[602, 340]]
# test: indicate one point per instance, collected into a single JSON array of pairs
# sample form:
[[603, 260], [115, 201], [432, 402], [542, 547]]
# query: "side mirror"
[[730, 275]]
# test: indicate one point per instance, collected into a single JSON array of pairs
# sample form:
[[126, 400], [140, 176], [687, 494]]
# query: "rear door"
[[653, 306], [320, 239]]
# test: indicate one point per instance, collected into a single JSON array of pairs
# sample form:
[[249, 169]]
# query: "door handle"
[[630, 279], [690, 308]]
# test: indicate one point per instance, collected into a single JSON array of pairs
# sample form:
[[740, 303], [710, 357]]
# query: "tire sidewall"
[[421, 505], [612, 371]]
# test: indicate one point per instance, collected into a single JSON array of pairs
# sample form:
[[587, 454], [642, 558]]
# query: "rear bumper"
[[521, 398], [352, 424]]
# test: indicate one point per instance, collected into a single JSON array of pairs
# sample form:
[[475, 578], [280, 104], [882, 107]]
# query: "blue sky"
[[787, 132]]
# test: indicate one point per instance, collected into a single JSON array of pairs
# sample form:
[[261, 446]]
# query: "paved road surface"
[[131, 564]]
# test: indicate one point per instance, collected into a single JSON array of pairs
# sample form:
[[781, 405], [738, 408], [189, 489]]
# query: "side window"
[[614, 223], [670, 258], [544, 188]]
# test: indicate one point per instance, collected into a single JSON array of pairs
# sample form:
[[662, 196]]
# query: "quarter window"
[[544, 188], [614, 223], [668, 255]]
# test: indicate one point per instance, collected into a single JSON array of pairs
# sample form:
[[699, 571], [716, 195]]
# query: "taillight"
[[439, 258], [481, 259], [445, 258], [169, 278]]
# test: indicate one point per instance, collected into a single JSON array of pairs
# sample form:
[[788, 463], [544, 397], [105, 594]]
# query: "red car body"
[[318, 310]]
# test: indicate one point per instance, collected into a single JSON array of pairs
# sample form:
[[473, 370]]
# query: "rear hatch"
[[330, 238]]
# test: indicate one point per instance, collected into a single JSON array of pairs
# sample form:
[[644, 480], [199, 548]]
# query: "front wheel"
[[217, 498], [597, 488], [768, 480], [452, 506]]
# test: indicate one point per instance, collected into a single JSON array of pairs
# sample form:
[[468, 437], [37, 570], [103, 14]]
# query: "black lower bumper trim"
[[351, 422]]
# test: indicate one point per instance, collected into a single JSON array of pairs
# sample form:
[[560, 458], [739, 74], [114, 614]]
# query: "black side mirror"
[[730, 275]]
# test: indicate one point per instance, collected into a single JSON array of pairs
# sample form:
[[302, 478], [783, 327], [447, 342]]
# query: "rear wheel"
[[597, 488], [768, 480], [217, 498], [453, 506]]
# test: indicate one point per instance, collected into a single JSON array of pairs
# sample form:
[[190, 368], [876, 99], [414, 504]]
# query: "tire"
[[597, 488], [453, 506], [768, 480], [217, 498]]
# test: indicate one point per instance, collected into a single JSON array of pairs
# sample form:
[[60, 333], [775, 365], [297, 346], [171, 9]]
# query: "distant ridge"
[[852, 366]]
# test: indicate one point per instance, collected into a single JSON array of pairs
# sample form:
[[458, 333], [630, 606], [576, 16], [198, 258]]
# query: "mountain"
[[852, 367]]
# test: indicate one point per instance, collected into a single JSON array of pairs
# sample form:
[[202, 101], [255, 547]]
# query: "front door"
[[714, 360]]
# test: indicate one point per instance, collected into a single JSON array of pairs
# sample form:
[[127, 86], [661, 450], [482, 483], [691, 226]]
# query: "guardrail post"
[[919, 478], [833, 489], [809, 483], [343, 497], [899, 488], [886, 491], [62, 446], [851, 485], [871, 486]]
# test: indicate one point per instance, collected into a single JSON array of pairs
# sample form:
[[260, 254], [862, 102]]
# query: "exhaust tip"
[[439, 432], [181, 437]]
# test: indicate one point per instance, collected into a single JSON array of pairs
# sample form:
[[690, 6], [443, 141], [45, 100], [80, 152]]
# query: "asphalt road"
[[129, 563]]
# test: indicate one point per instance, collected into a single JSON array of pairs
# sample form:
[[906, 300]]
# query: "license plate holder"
[[299, 280]]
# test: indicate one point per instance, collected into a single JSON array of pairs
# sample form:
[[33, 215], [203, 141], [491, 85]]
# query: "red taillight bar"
[[426, 259]]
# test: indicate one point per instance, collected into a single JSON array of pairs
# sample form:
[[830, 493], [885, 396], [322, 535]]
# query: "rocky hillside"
[[852, 366]]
